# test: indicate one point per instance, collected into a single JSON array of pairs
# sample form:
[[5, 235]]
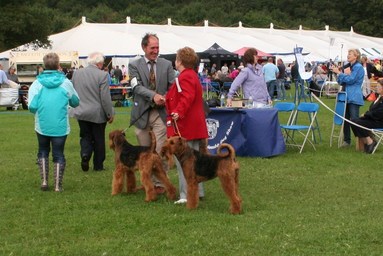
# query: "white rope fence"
[[374, 131]]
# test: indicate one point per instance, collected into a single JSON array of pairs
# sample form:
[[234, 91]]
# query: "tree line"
[[33, 21]]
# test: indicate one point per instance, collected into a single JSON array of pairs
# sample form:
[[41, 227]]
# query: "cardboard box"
[[237, 103]]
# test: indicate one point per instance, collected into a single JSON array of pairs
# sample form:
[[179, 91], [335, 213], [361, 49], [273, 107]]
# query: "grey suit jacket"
[[92, 86], [142, 95]]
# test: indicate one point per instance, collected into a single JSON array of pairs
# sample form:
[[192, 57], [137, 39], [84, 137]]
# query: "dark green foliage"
[[27, 21]]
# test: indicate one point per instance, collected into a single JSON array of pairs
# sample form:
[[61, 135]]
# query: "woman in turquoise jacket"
[[352, 80], [49, 97]]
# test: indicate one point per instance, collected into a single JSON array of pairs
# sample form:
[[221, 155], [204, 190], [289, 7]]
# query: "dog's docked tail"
[[226, 150], [153, 143]]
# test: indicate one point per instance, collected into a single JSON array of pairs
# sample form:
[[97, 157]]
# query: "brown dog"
[[129, 158], [198, 167]]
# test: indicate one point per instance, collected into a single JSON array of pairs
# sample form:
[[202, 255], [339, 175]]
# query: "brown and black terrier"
[[198, 166], [129, 158]]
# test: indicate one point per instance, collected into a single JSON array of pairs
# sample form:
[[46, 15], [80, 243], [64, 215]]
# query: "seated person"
[[233, 74], [319, 77], [11, 75], [217, 76], [373, 118], [221, 78]]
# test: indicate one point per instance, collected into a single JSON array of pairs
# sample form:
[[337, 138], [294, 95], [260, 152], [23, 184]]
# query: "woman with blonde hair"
[[352, 79]]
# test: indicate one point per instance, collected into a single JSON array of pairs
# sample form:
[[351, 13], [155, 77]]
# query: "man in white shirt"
[[225, 69]]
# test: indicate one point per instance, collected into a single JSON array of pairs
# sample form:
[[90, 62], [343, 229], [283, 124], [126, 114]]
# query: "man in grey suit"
[[94, 111], [148, 112]]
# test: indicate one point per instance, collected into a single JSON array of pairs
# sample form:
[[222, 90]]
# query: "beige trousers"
[[159, 129]]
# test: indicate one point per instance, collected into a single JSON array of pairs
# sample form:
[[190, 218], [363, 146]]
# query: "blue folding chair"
[[338, 121], [215, 87], [303, 126], [285, 107], [226, 86]]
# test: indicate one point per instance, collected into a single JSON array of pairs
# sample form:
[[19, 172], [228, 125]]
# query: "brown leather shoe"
[[159, 190]]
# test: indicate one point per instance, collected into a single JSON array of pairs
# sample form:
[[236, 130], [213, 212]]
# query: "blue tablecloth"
[[252, 132]]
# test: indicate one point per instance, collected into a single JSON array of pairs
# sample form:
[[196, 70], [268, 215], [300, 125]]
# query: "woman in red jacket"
[[184, 104]]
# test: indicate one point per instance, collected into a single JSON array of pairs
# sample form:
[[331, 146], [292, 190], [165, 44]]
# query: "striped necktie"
[[152, 76]]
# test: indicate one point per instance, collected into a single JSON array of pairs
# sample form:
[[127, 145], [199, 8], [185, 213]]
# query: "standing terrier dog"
[[129, 158], [198, 167]]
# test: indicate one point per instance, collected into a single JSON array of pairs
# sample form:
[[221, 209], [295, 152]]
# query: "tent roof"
[[242, 51], [124, 39], [371, 53], [215, 50]]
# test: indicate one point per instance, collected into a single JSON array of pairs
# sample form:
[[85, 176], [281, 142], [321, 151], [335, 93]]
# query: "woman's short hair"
[[95, 58], [248, 56], [187, 57], [356, 52], [51, 61]]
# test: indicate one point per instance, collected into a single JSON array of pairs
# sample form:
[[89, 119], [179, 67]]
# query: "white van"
[[27, 63]]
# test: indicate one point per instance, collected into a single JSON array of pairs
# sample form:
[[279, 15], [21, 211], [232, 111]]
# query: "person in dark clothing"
[[118, 74], [299, 83], [373, 118]]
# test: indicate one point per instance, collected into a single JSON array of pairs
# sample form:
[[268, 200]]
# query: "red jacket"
[[189, 106]]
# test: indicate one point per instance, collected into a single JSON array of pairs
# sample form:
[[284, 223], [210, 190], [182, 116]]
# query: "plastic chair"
[[288, 108], [340, 110], [302, 127], [215, 87], [226, 86], [211, 87]]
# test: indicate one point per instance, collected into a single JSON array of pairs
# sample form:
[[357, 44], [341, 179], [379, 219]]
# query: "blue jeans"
[[271, 86], [281, 89], [300, 86], [58, 144], [352, 112]]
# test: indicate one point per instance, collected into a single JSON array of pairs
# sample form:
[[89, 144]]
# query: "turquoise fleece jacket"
[[49, 97]]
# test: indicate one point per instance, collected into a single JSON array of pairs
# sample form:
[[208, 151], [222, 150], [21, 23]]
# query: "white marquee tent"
[[122, 41]]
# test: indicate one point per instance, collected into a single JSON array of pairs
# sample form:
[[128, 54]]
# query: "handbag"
[[371, 97]]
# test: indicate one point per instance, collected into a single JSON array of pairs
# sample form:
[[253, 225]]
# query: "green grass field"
[[324, 202]]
